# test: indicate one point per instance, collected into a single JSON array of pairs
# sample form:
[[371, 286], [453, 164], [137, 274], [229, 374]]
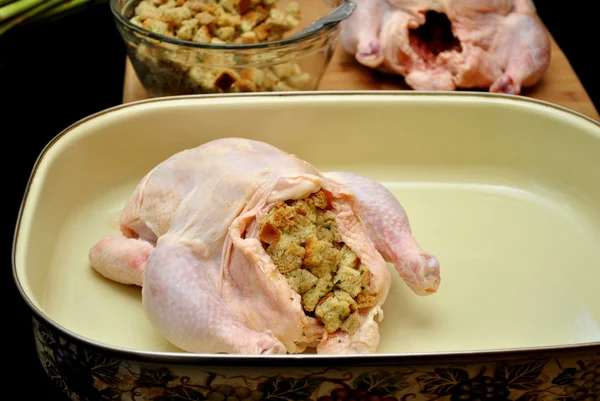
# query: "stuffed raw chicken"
[[240, 247]]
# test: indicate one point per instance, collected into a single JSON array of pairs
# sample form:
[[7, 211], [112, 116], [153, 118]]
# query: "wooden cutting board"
[[560, 84]]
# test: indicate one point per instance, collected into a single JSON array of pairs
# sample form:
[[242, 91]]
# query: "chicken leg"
[[121, 259], [388, 226]]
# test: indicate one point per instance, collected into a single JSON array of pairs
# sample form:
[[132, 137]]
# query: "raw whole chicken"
[[499, 45], [240, 247]]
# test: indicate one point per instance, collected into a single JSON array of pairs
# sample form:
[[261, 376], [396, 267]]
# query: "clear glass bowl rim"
[[323, 31]]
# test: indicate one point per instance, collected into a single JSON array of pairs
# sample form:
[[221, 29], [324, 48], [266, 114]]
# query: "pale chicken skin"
[[191, 238], [442, 45]]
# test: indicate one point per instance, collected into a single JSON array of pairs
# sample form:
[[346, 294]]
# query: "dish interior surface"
[[503, 192]]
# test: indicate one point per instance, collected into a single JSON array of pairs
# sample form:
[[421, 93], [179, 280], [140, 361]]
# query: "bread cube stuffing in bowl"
[[180, 47]]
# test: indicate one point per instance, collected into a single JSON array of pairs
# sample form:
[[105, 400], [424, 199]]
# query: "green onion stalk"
[[18, 12], [17, 8], [3, 2]]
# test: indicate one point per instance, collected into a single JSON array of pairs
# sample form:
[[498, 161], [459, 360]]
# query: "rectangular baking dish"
[[505, 191]]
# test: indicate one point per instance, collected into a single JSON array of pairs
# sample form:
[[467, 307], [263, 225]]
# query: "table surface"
[[559, 85]]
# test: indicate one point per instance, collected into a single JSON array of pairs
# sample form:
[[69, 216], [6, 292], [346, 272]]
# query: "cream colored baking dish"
[[504, 190]]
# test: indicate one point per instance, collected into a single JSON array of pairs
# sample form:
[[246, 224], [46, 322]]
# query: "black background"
[[53, 75]]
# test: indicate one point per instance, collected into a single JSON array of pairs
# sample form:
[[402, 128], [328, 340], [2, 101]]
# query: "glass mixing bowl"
[[168, 65]]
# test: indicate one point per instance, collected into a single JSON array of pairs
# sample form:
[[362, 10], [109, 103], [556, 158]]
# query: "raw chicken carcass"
[[243, 248], [499, 45]]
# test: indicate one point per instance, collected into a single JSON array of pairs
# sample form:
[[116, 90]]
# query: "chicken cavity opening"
[[302, 239], [433, 37]]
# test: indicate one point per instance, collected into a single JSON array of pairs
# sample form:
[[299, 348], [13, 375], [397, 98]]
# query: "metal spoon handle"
[[340, 13]]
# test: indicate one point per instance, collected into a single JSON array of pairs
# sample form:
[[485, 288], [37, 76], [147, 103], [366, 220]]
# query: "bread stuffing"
[[218, 22], [302, 239]]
